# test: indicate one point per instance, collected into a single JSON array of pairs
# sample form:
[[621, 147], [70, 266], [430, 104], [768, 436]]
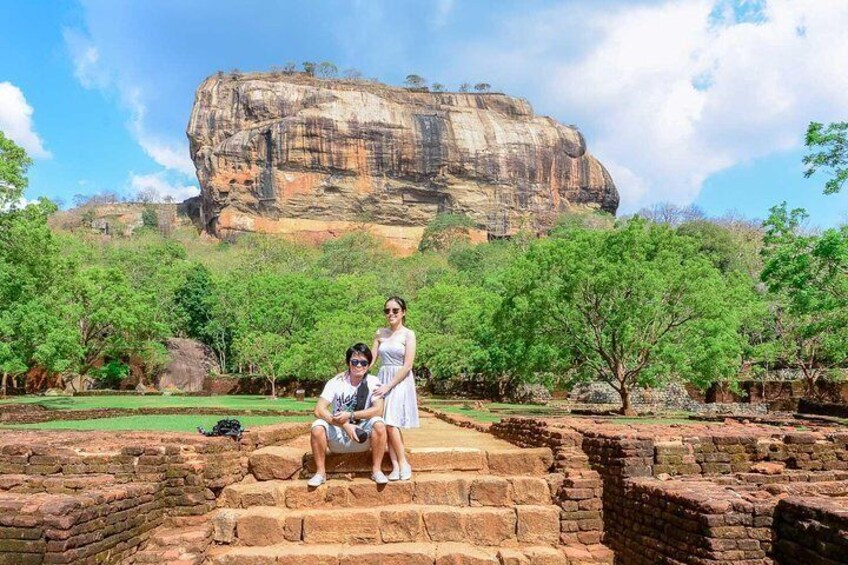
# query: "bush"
[[111, 374], [149, 218]]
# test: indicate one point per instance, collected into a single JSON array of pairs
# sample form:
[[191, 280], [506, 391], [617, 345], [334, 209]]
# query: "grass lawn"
[[469, 413], [240, 402], [169, 423]]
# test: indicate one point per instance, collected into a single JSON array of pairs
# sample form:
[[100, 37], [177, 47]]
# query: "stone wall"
[[811, 530], [695, 493], [578, 488], [94, 497], [810, 407]]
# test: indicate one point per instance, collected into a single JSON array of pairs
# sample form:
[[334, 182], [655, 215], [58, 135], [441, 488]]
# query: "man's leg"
[[319, 446]]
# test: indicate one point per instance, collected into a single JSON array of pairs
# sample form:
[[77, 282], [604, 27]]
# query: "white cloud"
[[93, 73], [86, 59], [442, 12], [670, 93], [16, 121], [160, 186]]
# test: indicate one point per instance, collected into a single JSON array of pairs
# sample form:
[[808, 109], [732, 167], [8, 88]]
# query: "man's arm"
[[322, 411]]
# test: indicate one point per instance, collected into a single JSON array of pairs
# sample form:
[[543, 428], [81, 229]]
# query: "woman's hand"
[[381, 391]]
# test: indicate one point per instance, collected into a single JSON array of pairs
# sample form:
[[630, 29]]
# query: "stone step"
[[426, 488], [281, 462], [449, 553], [269, 525], [184, 545]]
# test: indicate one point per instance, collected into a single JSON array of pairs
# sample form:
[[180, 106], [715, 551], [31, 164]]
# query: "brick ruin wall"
[[708, 494], [93, 497]]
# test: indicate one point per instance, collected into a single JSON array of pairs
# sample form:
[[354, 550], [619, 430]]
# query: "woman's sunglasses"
[[388, 311], [359, 362]]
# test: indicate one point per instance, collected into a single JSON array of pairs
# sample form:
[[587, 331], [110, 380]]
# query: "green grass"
[[169, 423], [240, 402], [470, 413]]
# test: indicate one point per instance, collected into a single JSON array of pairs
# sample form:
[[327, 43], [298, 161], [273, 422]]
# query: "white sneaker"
[[379, 478], [395, 474], [316, 480], [405, 472]]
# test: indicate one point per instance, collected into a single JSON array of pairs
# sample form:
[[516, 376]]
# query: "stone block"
[[488, 526], [350, 526], [401, 525], [526, 462], [443, 524], [391, 554], [530, 490], [276, 462], [538, 524], [490, 491], [462, 554], [445, 490]]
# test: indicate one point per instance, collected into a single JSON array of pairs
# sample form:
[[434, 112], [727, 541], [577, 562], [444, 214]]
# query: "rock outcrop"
[[298, 155], [190, 363]]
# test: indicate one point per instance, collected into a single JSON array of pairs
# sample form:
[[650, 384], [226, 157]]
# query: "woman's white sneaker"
[[316, 480], [405, 473], [379, 478]]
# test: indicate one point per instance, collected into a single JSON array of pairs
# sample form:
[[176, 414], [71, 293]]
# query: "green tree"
[[266, 352], [632, 306], [415, 81], [807, 276], [446, 230], [149, 218], [828, 147], [327, 70], [438, 87], [309, 68], [194, 300], [464, 87], [14, 163], [482, 87]]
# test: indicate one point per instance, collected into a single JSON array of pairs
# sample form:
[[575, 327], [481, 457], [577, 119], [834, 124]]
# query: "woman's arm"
[[375, 349]]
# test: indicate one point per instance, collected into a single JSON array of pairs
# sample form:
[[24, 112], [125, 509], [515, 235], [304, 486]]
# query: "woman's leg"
[[396, 446]]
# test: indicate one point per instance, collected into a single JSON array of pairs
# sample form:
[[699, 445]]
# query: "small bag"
[[225, 428]]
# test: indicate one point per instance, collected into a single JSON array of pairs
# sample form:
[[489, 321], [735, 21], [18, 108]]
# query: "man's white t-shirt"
[[341, 394]]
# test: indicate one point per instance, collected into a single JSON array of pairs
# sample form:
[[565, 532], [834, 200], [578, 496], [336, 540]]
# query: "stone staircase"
[[492, 504]]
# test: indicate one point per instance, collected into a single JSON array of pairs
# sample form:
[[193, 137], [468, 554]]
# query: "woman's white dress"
[[401, 408]]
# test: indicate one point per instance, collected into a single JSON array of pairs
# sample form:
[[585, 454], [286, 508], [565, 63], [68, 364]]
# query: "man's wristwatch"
[[351, 416]]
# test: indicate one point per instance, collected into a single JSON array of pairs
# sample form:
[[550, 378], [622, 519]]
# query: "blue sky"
[[702, 101]]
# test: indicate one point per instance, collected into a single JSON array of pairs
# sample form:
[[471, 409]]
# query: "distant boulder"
[[191, 362]]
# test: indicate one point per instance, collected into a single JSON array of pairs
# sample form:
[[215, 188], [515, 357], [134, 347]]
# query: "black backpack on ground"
[[226, 428]]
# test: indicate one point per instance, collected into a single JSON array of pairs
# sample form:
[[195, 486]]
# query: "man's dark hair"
[[360, 348]]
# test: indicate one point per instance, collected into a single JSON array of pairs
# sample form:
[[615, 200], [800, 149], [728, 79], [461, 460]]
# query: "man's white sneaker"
[[379, 478], [405, 473], [316, 480]]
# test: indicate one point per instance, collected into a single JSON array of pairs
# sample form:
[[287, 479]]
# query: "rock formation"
[[298, 155], [190, 363]]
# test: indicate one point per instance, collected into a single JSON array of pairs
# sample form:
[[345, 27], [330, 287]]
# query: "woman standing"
[[395, 346]]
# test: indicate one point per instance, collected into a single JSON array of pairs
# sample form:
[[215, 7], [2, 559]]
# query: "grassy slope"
[[127, 401], [170, 423]]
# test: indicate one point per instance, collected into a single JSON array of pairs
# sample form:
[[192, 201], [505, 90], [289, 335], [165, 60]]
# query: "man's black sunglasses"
[[359, 362]]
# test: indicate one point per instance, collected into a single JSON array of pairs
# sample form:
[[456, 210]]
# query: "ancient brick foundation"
[[710, 493], [93, 497]]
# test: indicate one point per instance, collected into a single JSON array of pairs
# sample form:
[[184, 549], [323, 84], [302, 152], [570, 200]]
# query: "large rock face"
[[298, 155]]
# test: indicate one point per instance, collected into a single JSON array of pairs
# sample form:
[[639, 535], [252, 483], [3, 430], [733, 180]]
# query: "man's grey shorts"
[[338, 440]]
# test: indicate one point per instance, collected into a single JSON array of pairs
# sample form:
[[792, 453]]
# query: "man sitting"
[[355, 423]]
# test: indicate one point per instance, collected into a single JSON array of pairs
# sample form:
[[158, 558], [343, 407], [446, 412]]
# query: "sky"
[[685, 101]]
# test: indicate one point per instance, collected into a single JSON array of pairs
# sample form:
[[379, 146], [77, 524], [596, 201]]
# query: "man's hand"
[[341, 418]]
